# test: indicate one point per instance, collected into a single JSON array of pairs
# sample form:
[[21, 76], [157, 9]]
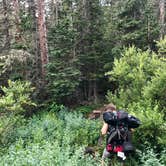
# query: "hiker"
[[117, 125]]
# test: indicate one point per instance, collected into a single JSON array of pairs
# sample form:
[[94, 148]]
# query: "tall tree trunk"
[[90, 90], [6, 25], [54, 12], [42, 36], [18, 35], [95, 92], [35, 46], [85, 45], [85, 93], [162, 17]]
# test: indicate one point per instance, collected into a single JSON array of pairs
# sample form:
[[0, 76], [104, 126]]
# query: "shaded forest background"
[[58, 56]]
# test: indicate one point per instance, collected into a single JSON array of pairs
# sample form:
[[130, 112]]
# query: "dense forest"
[[62, 59]]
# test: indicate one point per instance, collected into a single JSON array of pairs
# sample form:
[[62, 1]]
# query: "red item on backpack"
[[109, 147], [118, 148]]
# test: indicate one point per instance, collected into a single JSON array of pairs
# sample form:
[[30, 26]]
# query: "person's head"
[[110, 107]]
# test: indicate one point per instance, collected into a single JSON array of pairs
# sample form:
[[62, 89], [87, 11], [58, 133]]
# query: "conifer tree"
[[42, 31], [162, 8], [5, 22]]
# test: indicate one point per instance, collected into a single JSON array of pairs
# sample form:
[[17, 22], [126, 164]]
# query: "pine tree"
[[42, 31], [133, 22], [63, 72], [90, 47], [162, 16], [5, 5]]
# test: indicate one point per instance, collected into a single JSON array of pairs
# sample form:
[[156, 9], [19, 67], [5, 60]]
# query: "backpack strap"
[[112, 135], [116, 131]]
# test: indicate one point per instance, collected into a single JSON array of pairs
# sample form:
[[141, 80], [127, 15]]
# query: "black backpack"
[[121, 117], [117, 126], [120, 123]]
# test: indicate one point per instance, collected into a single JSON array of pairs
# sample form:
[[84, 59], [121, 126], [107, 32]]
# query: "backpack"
[[120, 117], [119, 123]]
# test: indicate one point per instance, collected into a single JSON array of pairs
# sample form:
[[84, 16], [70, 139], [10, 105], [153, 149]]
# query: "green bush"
[[133, 72], [149, 157], [54, 107], [16, 97], [152, 131], [46, 154], [13, 105], [162, 48], [53, 138], [156, 88], [86, 108], [8, 124]]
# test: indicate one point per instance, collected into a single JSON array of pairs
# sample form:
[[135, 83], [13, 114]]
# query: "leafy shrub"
[[156, 88], [79, 127], [46, 154], [152, 131], [8, 123], [149, 157], [13, 104], [86, 108], [133, 71], [16, 97], [162, 47], [53, 139], [54, 107]]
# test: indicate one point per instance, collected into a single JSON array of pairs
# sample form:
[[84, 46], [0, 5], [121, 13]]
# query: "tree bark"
[[6, 25], [90, 90], [35, 39], [18, 35], [162, 18], [54, 12], [95, 92], [42, 31]]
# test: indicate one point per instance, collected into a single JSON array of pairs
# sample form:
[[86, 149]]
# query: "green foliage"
[[16, 97], [13, 103], [86, 109], [82, 45], [54, 107], [149, 157], [77, 50], [47, 154], [87, 130], [162, 47], [156, 88], [26, 21], [13, 65], [63, 73], [152, 130], [8, 123], [53, 139], [131, 22], [133, 72]]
